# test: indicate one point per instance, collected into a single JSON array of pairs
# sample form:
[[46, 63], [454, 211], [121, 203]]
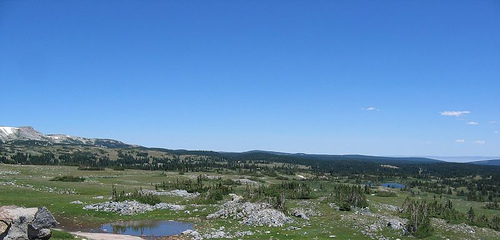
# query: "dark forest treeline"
[[212, 161]]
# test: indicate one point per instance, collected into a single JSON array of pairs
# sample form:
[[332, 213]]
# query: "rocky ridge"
[[253, 214], [28, 133]]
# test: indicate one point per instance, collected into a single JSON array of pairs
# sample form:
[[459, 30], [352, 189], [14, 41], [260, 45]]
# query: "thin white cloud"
[[472, 123], [460, 141], [493, 122], [454, 113], [495, 131], [480, 142], [370, 109]]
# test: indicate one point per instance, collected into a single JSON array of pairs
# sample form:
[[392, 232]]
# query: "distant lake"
[[147, 228], [393, 185]]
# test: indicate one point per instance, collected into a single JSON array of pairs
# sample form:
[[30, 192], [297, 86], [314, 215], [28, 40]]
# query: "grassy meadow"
[[32, 186]]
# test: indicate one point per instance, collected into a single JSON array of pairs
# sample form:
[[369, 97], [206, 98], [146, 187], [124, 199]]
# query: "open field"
[[31, 186]]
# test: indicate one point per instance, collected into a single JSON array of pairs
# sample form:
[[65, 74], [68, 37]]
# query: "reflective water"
[[147, 228], [393, 185]]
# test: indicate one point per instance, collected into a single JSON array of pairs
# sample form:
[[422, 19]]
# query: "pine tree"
[[419, 223], [471, 215]]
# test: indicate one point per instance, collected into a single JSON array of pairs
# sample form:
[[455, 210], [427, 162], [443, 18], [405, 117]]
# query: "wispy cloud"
[[493, 122], [460, 141], [472, 123], [370, 109], [480, 142], [454, 113], [495, 131]]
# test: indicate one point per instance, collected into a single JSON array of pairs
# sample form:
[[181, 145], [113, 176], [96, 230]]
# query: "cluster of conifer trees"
[[419, 214], [347, 196]]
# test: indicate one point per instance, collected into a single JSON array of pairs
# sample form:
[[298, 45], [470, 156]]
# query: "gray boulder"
[[3, 229], [43, 219], [25, 223], [42, 234]]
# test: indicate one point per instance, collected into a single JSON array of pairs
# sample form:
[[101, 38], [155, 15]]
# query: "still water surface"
[[147, 228], [393, 185]]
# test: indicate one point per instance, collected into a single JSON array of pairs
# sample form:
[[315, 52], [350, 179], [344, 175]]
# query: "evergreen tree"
[[471, 215]]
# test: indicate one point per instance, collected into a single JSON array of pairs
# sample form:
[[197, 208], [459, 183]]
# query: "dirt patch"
[[105, 236]]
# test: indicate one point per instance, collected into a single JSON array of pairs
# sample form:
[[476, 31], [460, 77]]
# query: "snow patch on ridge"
[[8, 130]]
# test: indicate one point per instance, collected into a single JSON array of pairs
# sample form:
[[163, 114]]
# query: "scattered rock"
[[177, 193], [131, 207], [292, 228], [169, 206], [464, 230], [247, 181], [76, 202], [300, 214], [254, 214], [216, 234], [40, 189], [6, 172], [267, 217], [235, 197], [194, 235], [373, 224], [387, 207], [243, 233], [395, 223], [362, 211], [334, 206]]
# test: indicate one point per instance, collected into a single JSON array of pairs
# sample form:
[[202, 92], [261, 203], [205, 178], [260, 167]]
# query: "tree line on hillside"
[[419, 214], [213, 161], [484, 189]]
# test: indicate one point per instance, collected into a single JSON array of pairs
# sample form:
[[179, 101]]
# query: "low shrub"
[[89, 168], [137, 195], [68, 179]]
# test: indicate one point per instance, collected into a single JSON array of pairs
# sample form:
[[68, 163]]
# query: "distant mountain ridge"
[[494, 162], [28, 133], [352, 157]]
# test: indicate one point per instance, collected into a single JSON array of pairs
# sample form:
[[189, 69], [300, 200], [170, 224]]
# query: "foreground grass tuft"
[[56, 234]]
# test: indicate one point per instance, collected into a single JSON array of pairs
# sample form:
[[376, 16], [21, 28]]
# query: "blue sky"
[[366, 77]]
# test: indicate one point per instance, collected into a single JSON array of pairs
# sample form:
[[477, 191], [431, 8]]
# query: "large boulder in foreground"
[[25, 223]]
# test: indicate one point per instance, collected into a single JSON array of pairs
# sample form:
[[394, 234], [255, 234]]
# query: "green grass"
[[35, 193], [57, 234]]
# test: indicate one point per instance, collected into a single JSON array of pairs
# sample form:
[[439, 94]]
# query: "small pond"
[[393, 185], [147, 228]]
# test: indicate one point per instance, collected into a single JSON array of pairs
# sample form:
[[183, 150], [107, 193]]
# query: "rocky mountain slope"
[[28, 133]]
